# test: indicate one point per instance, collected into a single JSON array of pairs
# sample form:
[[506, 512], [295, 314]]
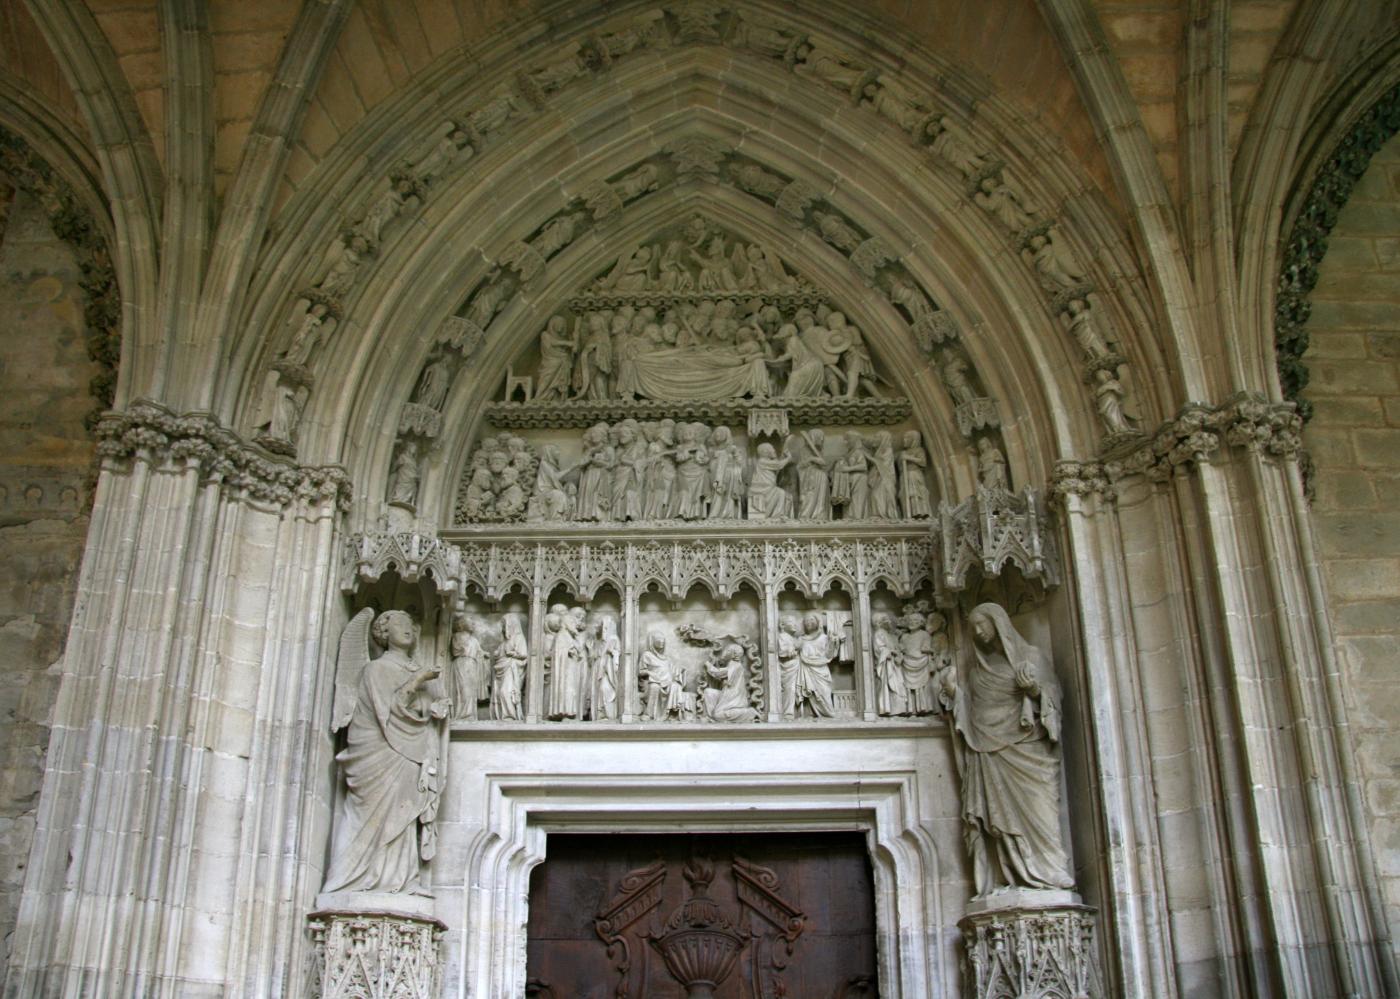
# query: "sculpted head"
[[657, 641], [811, 622], [394, 630], [984, 629], [731, 653], [912, 438], [766, 451], [788, 623]]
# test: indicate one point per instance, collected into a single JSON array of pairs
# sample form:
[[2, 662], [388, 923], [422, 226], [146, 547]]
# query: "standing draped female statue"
[[1007, 722]]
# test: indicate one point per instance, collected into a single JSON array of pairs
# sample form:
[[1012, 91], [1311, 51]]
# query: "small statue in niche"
[[898, 107], [991, 466], [403, 189], [917, 654], [1052, 265], [565, 653], [907, 294], [313, 326], [891, 695], [955, 146], [756, 180], [557, 349], [884, 489], [433, 384], [403, 482], [639, 181], [604, 651], [789, 668], [815, 651], [663, 684], [342, 263], [954, 373], [997, 196], [558, 234], [508, 671], [829, 66], [1007, 719], [813, 475], [767, 499], [1108, 394], [468, 681], [850, 479], [726, 476], [490, 299], [1083, 324], [395, 713], [913, 486], [726, 699]]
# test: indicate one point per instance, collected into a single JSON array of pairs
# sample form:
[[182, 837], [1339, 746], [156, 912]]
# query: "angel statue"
[[1006, 720], [391, 761]]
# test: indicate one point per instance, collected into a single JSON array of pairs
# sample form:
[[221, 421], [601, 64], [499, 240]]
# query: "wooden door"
[[691, 916]]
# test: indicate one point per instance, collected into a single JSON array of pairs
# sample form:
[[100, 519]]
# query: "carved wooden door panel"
[[693, 917]]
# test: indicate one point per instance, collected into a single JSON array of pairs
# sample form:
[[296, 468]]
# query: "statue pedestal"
[[375, 945], [1030, 943]]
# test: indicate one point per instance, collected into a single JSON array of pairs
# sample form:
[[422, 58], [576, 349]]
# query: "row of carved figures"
[[665, 470], [583, 653], [711, 349], [1003, 709]]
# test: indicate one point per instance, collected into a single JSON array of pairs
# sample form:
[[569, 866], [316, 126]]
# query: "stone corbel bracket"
[[149, 432], [1198, 433], [413, 557], [992, 530]]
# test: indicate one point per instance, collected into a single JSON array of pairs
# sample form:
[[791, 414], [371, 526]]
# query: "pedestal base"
[[375, 947], [1030, 944]]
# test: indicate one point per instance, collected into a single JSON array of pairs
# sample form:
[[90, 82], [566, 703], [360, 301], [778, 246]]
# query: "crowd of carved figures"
[[669, 470], [582, 653], [1002, 706]]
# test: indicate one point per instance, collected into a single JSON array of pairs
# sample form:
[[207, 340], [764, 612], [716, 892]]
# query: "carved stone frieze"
[[729, 412], [375, 955], [1031, 953], [147, 431], [899, 557]]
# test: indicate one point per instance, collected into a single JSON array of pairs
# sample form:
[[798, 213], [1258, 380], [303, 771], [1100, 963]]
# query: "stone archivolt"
[[882, 94]]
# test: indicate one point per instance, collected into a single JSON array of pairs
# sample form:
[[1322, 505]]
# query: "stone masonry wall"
[[1355, 442], [45, 462]]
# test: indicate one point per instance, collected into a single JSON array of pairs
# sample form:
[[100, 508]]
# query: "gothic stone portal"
[[680, 916]]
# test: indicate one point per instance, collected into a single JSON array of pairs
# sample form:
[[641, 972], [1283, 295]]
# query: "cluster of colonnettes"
[[669, 470]]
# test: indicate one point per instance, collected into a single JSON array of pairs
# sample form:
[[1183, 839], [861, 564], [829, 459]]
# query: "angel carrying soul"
[[394, 713]]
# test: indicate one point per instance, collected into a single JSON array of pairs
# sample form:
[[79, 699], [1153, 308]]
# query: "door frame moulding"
[[522, 810]]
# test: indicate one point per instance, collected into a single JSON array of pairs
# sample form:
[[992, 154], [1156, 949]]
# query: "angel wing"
[[350, 663]]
